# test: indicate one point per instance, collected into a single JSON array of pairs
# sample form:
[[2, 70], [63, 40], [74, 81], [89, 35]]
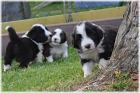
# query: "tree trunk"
[[26, 10], [67, 11], [125, 54], [70, 19]]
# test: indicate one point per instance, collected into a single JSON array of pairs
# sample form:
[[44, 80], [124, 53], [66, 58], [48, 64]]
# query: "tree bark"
[[70, 19], [26, 10], [67, 11], [125, 54]]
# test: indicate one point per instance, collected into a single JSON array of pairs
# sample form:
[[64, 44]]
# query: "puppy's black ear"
[[94, 31], [37, 34], [31, 34], [74, 43], [63, 37]]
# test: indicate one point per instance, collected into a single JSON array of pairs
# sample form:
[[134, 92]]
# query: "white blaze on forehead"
[[81, 29], [58, 31], [85, 39], [57, 35], [40, 25]]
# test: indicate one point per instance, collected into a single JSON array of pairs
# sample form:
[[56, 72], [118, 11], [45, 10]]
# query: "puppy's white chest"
[[40, 55], [57, 51]]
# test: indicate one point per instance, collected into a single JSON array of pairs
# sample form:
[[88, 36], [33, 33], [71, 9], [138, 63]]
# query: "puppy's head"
[[39, 33], [58, 37], [86, 36]]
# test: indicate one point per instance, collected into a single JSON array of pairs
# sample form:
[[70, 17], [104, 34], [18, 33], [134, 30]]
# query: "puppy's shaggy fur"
[[94, 45], [58, 47], [27, 48]]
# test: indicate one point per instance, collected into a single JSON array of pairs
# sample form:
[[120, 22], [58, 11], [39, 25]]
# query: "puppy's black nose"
[[87, 46], [50, 35], [55, 39]]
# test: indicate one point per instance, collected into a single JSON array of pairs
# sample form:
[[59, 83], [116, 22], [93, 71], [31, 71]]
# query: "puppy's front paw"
[[87, 68], [103, 64], [65, 55], [85, 75], [6, 67], [49, 59]]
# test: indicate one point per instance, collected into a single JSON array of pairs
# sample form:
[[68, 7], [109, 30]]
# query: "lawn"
[[61, 75]]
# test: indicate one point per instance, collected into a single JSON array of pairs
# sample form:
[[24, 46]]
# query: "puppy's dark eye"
[[53, 33], [79, 36], [61, 34]]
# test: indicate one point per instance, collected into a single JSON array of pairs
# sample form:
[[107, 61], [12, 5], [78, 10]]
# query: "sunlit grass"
[[60, 75]]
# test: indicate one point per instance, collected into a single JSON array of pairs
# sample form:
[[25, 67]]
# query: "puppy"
[[27, 48], [93, 44], [58, 47]]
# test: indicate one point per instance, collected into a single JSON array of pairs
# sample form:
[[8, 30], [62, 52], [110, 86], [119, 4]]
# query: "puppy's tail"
[[12, 34]]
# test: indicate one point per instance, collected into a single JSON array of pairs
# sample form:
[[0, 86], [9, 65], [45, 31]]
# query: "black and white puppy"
[[27, 48], [94, 45], [58, 46]]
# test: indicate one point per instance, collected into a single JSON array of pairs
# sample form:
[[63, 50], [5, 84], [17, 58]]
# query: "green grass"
[[61, 75], [122, 81]]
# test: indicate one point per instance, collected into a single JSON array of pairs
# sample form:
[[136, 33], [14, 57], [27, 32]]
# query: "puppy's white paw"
[[49, 59], [103, 64], [39, 57], [65, 55], [87, 68], [85, 74], [7, 67]]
